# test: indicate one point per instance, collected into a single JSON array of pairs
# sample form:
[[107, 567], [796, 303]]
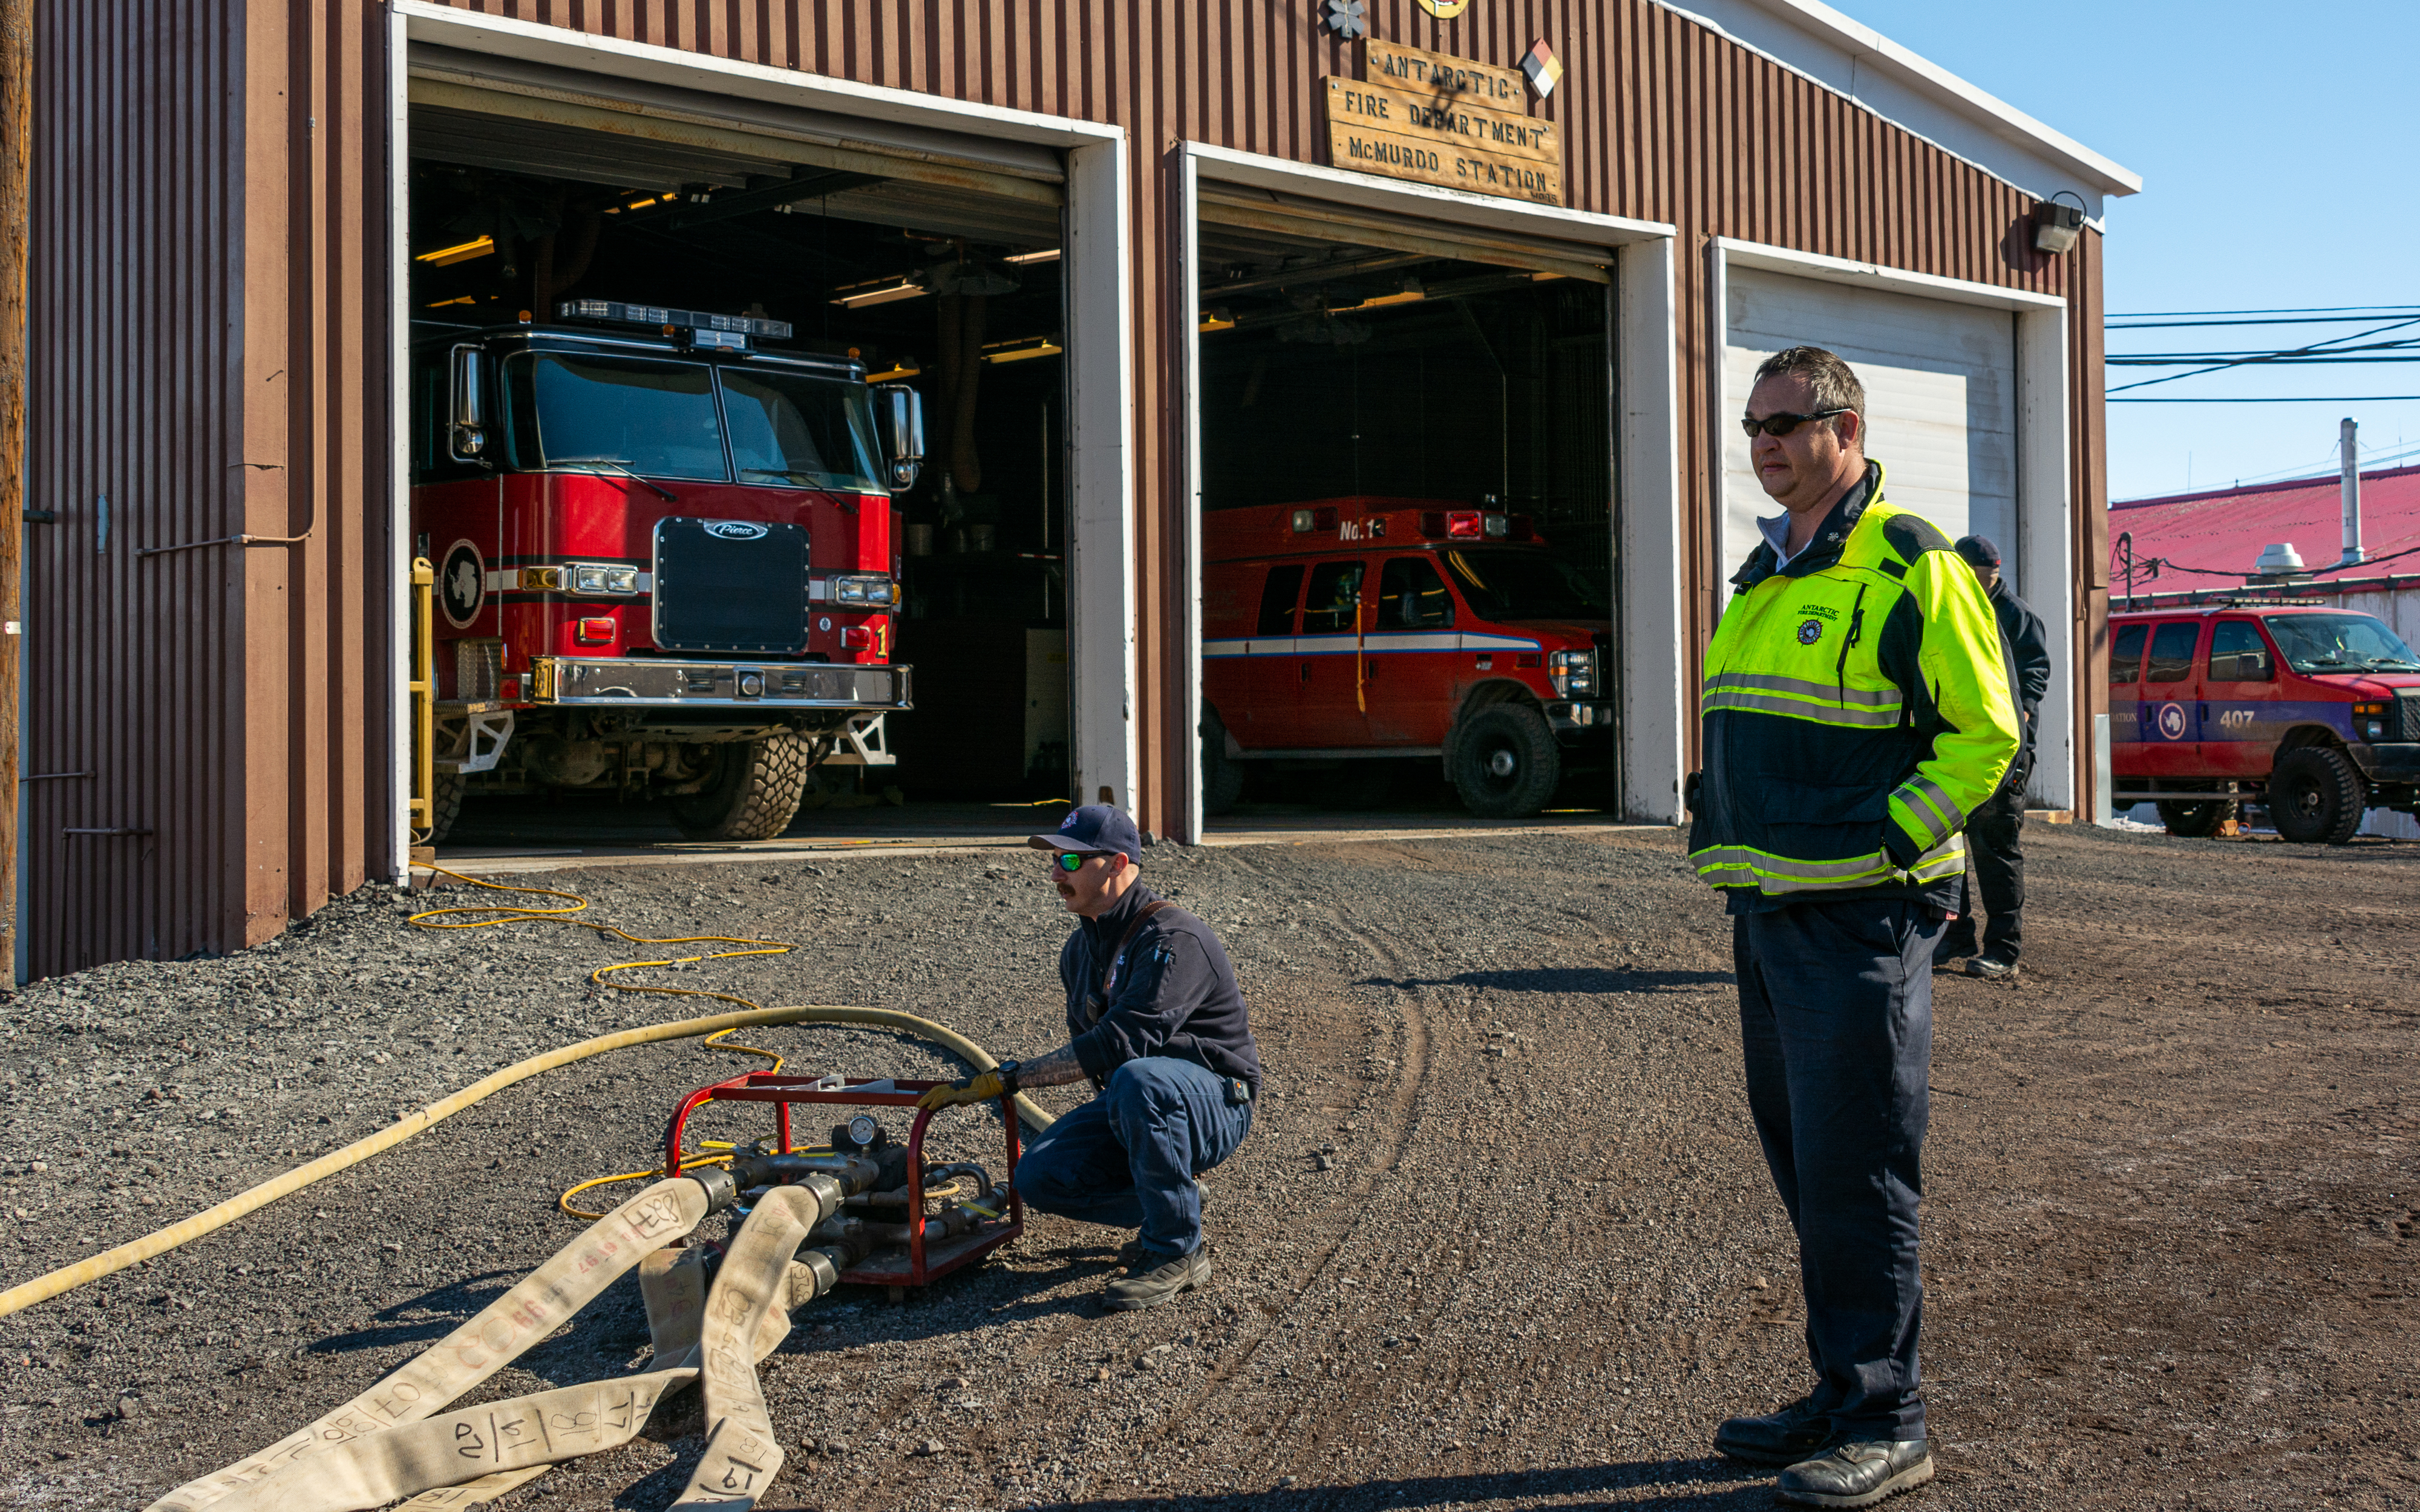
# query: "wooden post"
[[16, 126]]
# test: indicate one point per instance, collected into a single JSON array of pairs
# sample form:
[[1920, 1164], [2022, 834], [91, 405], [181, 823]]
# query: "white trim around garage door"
[[1643, 433], [1099, 345], [2045, 508]]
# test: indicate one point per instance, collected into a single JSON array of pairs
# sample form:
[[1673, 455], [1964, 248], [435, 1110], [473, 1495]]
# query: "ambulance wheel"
[[2198, 820], [445, 805], [2315, 797], [1222, 780], [1505, 762], [755, 791]]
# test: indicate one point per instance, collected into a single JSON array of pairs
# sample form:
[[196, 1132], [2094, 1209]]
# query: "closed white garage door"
[[1941, 399]]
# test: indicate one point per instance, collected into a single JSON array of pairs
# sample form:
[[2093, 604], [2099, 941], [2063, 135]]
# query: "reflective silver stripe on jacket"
[[1950, 818], [1829, 692], [1834, 714]]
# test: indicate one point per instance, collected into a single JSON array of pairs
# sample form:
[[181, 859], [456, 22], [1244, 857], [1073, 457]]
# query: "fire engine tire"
[[445, 805], [1222, 780], [755, 791], [2198, 820], [2315, 797], [1505, 762]]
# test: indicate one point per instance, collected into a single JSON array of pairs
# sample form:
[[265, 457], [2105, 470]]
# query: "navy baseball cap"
[[1096, 827], [1979, 550]]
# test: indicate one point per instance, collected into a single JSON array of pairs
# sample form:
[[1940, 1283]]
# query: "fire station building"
[[1147, 266]]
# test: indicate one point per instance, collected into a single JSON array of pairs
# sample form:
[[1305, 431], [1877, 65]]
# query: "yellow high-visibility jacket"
[[1857, 706]]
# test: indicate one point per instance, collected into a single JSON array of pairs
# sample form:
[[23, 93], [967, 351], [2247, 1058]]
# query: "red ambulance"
[[1361, 627]]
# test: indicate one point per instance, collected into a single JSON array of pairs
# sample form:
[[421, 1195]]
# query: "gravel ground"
[[1501, 1234]]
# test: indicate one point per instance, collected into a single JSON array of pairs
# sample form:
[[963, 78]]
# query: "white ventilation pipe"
[[2347, 441]]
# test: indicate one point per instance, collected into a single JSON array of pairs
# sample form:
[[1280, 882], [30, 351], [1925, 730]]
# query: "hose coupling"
[[721, 1190]]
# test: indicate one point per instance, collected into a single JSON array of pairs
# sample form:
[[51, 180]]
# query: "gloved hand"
[[984, 1089]]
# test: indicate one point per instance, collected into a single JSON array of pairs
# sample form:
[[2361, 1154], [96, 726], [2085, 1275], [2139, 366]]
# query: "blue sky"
[[2274, 146]]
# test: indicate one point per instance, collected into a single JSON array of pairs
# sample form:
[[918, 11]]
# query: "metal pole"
[[16, 125], [2349, 441]]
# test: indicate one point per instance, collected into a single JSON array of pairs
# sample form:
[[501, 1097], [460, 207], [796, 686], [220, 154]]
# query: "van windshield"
[[2339, 643], [1525, 585]]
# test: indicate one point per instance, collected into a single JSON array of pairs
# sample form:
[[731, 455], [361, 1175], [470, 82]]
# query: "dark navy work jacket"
[[1170, 993]]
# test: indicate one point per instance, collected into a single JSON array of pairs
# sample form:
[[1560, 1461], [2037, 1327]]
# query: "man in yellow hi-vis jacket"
[[1857, 708]]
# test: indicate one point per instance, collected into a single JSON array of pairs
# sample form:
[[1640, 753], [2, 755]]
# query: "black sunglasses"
[[1783, 424]]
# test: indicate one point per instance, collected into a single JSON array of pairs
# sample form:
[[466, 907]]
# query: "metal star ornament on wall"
[[1348, 18]]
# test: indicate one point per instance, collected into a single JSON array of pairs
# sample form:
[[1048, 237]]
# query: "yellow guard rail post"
[[423, 697]]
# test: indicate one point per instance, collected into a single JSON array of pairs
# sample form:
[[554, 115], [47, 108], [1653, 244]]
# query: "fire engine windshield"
[[2339, 643], [795, 430], [617, 413], [1524, 585]]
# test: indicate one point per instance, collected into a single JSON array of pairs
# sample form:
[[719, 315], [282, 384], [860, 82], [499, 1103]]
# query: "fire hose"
[[134, 1252]]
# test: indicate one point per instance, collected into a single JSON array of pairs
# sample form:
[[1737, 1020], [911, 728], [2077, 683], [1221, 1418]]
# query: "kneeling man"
[[1160, 1030]]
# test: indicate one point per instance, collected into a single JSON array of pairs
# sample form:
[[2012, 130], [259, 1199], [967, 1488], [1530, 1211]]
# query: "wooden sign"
[[1443, 120]]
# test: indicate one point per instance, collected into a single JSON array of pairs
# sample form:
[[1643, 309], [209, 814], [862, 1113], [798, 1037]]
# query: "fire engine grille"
[[730, 585]]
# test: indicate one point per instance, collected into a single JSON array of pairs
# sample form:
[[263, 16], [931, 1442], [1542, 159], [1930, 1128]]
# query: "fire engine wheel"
[[2197, 820], [1505, 762], [1222, 780], [445, 805], [2315, 797], [755, 793]]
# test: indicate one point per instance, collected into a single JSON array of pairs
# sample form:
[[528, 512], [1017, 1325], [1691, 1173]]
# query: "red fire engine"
[[663, 560], [1400, 627]]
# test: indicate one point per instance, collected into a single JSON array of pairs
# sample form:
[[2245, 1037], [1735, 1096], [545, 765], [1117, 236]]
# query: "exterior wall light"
[[2057, 225]]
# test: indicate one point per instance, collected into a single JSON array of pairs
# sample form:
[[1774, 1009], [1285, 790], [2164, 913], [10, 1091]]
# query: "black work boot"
[[1797, 1432], [1991, 968], [1149, 1282], [1859, 1473]]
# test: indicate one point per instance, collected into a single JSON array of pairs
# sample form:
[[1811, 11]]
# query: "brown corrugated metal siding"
[[267, 741], [199, 720]]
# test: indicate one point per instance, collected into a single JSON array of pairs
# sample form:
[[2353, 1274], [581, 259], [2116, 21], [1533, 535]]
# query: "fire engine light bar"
[[656, 315]]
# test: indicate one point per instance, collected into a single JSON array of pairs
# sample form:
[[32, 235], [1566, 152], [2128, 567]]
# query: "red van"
[[1361, 627], [2313, 710]]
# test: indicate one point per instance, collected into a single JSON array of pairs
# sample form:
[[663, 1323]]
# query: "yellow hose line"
[[67, 1278]]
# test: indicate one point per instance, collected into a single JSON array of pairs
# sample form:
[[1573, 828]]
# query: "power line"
[[2110, 323], [2374, 310], [2314, 347], [2282, 398]]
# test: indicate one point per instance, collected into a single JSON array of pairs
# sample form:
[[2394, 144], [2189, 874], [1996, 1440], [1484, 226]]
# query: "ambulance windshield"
[[1514, 584], [2339, 643]]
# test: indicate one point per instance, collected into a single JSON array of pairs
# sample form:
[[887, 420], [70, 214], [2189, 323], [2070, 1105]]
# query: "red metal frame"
[[760, 1087]]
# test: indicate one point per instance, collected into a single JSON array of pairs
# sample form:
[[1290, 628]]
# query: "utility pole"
[[16, 186], [2348, 442]]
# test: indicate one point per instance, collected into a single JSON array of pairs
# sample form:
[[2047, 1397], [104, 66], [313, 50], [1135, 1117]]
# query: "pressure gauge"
[[863, 1131]]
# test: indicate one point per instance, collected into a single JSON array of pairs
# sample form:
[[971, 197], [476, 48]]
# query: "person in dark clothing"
[[1996, 854], [1160, 1029]]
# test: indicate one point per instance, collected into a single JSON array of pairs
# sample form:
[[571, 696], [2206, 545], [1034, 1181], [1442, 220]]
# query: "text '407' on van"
[[1358, 626], [663, 559]]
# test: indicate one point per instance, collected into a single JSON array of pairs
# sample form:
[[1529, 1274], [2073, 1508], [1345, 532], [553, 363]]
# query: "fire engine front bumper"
[[645, 681]]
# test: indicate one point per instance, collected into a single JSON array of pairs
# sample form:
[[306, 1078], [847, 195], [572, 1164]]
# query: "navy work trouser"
[[1836, 1016], [1128, 1157], [1995, 870]]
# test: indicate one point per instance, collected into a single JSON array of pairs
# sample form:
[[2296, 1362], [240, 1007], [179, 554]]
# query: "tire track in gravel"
[[1397, 1125]]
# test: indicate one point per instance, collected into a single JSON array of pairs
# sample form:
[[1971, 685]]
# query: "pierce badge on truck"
[[462, 585], [735, 530]]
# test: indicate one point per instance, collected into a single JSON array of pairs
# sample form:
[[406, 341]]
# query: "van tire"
[[1223, 780], [2315, 797], [2197, 821], [1505, 763], [755, 791]]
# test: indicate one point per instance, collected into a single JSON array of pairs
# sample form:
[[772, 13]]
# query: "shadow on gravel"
[[1706, 1482], [1565, 980], [447, 1307]]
